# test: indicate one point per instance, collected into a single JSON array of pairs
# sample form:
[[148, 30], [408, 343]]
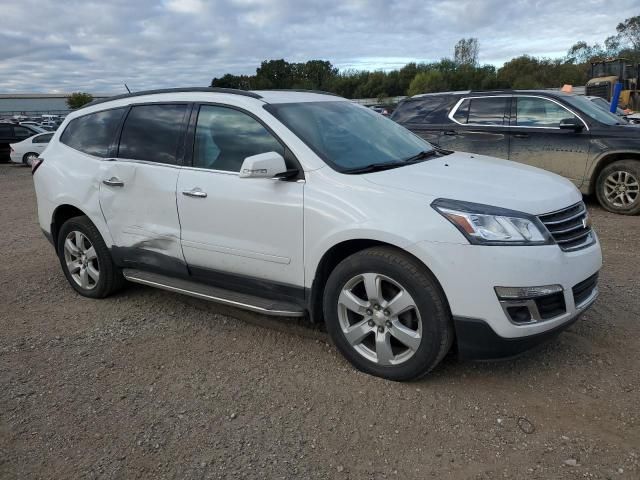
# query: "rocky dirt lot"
[[148, 384]]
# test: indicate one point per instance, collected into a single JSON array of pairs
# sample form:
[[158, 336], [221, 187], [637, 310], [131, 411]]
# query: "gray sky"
[[95, 46]]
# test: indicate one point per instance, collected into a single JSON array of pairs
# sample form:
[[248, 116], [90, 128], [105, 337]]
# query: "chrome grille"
[[570, 227]]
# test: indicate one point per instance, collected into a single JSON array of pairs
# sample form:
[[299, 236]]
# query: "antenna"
[[125, 86]]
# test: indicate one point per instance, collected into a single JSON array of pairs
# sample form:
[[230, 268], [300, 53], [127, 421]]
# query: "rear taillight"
[[35, 163]]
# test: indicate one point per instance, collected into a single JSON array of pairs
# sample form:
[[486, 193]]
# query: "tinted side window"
[[22, 132], [419, 110], [225, 137], [462, 113], [153, 133], [487, 111], [6, 130], [44, 138], [539, 112], [93, 133]]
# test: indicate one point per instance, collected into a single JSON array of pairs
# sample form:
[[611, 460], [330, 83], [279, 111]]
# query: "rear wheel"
[[618, 187], [28, 158], [387, 315], [85, 259]]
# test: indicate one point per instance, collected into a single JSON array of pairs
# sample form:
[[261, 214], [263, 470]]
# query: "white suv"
[[302, 203]]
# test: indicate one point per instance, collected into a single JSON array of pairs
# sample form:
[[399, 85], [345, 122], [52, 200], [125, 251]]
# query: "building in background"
[[29, 104]]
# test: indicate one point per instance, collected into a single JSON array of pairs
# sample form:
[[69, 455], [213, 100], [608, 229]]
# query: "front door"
[[138, 189], [238, 229], [478, 125], [538, 140]]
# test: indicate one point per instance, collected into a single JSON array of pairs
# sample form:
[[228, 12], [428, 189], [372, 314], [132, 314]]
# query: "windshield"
[[591, 109], [602, 103], [348, 136]]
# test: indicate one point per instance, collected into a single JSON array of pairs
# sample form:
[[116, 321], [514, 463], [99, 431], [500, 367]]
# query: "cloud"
[[97, 46]]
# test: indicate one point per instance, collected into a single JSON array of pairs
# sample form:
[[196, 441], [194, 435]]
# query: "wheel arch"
[[61, 214], [607, 160], [336, 254]]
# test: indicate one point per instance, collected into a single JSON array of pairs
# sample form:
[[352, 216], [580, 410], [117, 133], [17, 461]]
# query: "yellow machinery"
[[604, 76]]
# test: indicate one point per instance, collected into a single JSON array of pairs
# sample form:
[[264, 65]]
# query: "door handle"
[[113, 182], [451, 133], [521, 135], [196, 192]]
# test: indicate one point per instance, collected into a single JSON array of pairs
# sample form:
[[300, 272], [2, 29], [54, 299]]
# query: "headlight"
[[487, 225]]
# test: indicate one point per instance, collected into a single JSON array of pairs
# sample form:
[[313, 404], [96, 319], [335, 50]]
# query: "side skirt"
[[232, 298]]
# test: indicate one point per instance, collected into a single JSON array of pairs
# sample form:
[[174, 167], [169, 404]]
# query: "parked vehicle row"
[[562, 133], [26, 151], [305, 204], [10, 134]]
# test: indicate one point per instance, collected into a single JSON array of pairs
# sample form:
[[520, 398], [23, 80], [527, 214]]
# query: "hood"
[[481, 179]]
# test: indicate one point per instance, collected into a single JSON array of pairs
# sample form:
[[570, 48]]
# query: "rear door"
[[138, 188], [538, 140], [39, 142], [479, 125]]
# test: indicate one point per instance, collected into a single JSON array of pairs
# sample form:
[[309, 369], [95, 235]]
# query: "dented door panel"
[[138, 201]]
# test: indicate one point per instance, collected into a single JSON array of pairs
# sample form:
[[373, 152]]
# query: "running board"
[[214, 294]]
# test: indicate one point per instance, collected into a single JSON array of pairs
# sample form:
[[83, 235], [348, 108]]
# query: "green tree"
[[629, 31], [274, 74], [466, 52], [78, 99], [426, 82]]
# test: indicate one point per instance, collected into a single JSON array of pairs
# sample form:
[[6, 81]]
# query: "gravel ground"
[[148, 384]]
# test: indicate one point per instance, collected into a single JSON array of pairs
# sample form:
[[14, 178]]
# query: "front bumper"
[[476, 340], [469, 273]]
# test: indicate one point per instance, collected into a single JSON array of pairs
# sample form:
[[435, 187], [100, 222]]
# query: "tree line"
[[462, 72]]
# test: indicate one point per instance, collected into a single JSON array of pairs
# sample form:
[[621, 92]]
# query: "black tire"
[[110, 277], [631, 168], [437, 327], [25, 158]]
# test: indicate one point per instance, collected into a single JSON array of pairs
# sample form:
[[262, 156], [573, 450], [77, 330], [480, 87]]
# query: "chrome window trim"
[[138, 161], [212, 170], [457, 105]]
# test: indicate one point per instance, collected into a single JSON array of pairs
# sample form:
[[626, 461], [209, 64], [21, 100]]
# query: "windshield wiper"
[[375, 167], [420, 156]]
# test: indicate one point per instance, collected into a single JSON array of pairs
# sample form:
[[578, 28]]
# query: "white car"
[[28, 149], [306, 204]]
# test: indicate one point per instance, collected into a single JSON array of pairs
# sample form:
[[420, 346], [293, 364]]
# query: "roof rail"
[[495, 90], [176, 90], [302, 90]]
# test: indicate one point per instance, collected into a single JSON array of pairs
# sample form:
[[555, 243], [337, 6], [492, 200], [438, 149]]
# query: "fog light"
[[523, 293], [524, 305], [519, 314]]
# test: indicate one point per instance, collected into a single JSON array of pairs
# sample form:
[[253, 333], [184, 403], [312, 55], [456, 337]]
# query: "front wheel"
[[618, 187], [387, 315]]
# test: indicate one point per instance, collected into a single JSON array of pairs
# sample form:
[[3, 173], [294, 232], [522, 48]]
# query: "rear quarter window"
[[93, 133]]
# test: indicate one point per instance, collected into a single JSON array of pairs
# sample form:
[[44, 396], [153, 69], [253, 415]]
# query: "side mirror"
[[571, 124], [263, 165]]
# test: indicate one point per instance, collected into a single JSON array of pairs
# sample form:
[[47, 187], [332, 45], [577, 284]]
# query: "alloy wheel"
[[379, 319], [30, 158], [621, 189], [81, 260]]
